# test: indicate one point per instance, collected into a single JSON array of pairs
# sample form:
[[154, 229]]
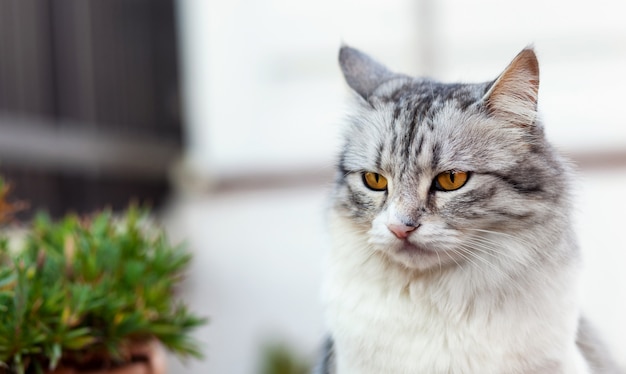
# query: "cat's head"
[[432, 173]]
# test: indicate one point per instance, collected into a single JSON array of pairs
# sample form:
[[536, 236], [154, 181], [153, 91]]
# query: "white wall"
[[261, 81], [262, 88]]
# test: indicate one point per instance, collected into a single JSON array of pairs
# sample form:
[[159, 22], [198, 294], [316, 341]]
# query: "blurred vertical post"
[[196, 39]]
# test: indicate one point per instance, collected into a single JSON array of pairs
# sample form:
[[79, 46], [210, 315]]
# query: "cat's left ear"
[[363, 74], [513, 96]]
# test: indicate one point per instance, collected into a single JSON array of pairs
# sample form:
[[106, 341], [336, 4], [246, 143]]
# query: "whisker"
[[517, 239], [468, 251], [446, 251], [438, 260], [464, 255], [491, 248]]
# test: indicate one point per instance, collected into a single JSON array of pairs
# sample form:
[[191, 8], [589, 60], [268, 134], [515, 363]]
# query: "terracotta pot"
[[149, 359]]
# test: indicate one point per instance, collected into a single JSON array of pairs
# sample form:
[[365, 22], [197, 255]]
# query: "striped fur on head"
[[411, 129]]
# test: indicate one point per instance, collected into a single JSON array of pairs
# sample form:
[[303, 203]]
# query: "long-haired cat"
[[453, 248]]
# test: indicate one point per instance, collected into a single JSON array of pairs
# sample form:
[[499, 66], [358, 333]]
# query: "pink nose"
[[400, 231]]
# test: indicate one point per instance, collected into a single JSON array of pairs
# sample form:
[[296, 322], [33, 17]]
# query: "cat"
[[452, 243]]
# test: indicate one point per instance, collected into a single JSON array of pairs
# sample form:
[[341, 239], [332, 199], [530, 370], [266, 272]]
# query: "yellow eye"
[[375, 181], [451, 180]]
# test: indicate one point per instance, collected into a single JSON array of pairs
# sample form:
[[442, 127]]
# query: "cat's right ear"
[[513, 96], [362, 73]]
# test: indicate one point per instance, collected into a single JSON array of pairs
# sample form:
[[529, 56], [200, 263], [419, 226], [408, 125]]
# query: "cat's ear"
[[362, 73], [513, 95]]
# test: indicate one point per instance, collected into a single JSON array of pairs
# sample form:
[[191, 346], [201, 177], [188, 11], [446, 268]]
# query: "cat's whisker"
[[510, 236], [447, 252], [458, 251], [468, 251], [467, 255], [517, 239], [493, 249], [522, 257], [438, 260]]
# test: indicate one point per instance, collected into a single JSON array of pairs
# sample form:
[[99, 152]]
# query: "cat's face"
[[430, 172]]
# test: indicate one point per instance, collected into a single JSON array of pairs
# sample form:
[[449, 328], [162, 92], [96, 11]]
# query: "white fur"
[[386, 318]]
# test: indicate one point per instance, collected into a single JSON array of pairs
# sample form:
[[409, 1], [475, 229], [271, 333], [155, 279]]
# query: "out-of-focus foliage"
[[279, 359], [85, 288]]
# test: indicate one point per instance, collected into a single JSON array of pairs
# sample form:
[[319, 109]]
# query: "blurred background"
[[225, 115]]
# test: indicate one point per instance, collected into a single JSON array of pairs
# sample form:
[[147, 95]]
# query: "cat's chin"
[[414, 249], [416, 257]]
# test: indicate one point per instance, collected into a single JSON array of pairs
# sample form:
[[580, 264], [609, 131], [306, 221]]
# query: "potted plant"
[[88, 295]]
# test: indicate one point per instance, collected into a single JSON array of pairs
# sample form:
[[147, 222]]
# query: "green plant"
[[279, 358], [84, 289]]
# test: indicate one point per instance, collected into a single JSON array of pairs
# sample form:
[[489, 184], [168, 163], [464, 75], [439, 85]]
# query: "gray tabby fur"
[[504, 238]]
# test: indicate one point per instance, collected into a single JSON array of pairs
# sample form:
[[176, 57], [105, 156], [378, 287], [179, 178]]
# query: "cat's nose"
[[401, 231]]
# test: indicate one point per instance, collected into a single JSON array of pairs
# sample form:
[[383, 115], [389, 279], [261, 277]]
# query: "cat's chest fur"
[[388, 322]]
